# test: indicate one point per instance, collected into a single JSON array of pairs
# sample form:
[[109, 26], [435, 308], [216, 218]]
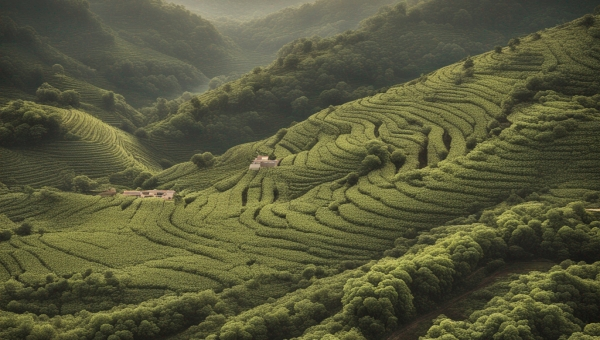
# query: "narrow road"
[[413, 330]]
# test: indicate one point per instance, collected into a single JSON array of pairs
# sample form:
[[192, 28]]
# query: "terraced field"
[[341, 192], [99, 151]]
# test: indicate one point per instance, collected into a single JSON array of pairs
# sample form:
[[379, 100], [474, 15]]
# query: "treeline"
[[53, 295], [310, 74]]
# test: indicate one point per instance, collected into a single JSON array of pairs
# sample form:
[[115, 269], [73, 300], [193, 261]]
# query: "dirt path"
[[413, 330]]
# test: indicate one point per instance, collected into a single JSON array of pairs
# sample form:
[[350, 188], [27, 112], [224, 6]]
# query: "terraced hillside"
[[396, 45], [355, 182], [96, 150]]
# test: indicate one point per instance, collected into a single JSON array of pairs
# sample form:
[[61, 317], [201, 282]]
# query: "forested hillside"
[[398, 44], [380, 209], [237, 9], [169, 57], [321, 18]]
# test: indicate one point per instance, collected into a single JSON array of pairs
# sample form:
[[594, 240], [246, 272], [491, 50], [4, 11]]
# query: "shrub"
[[468, 63], [371, 162], [498, 49], [150, 183], [5, 235], [47, 93], [24, 229], [141, 133], [398, 158], [69, 97], [141, 178], [203, 160], [58, 69], [588, 20], [108, 100], [83, 183], [166, 163], [352, 178]]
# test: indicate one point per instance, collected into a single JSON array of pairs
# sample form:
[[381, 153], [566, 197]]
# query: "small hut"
[[263, 162]]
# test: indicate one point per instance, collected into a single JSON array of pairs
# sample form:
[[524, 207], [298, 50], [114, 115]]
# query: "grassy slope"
[[283, 219], [100, 151]]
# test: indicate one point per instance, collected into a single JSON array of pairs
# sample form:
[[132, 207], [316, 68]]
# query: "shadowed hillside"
[[321, 18], [381, 208], [167, 59], [237, 9]]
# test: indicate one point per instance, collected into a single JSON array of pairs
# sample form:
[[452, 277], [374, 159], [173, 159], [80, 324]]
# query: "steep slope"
[[115, 59], [95, 149], [169, 29], [352, 179], [396, 45], [322, 18]]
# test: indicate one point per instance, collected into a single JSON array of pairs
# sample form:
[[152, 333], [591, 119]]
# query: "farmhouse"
[[164, 194], [263, 162]]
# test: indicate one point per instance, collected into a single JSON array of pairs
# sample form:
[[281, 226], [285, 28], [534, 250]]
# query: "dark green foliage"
[[203, 160], [52, 295], [498, 49], [108, 100], [5, 235], [166, 163], [23, 123], [352, 178], [468, 63], [69, 98], [150, 183], [24, 229], [168, 28], [141, 133], [588, 20], [398, 158], [141, 178], [538, 303], [126, 177], [47, 94], [83, 183]]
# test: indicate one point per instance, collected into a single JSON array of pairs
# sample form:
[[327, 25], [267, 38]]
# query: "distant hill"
[[169, 29], [398, 44], [323, 18], [381, 209], [160, 62], [237, 9]]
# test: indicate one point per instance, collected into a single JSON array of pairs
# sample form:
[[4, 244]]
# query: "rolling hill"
[[398, 44], [92, 45], [380, 209], [236, 9]]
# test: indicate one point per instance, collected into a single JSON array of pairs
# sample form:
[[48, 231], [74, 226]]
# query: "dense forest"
[[436, 171]]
